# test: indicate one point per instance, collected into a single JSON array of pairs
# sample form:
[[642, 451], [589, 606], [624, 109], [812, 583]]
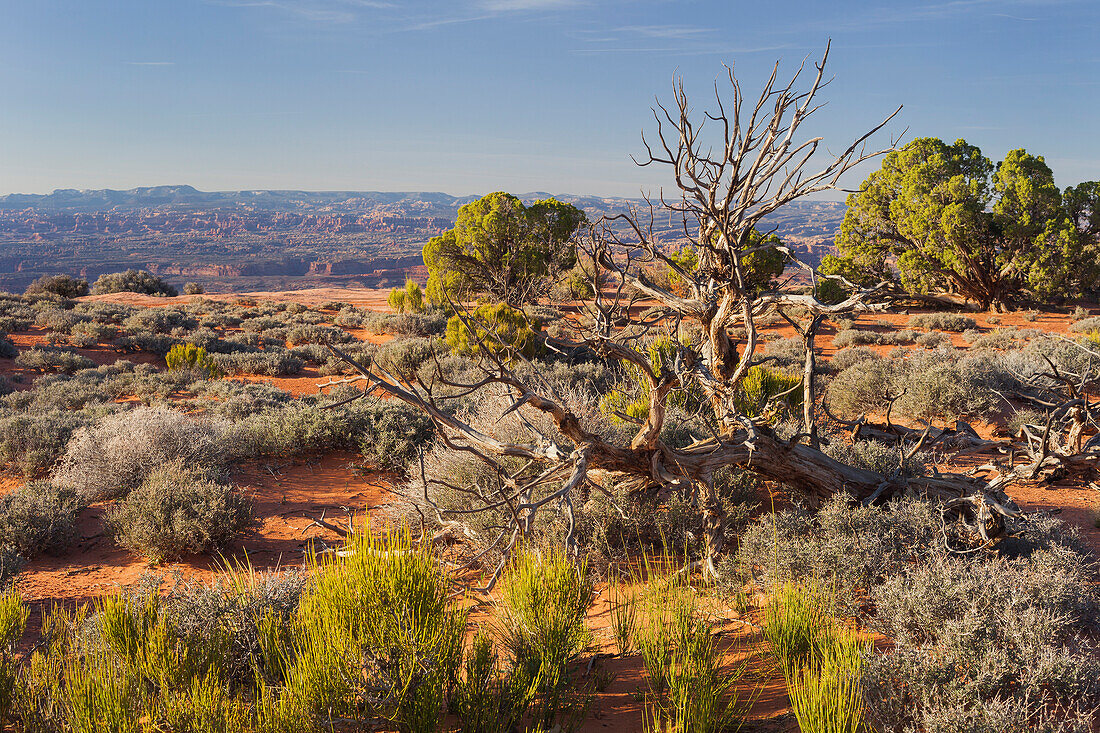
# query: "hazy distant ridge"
[[185, 197]]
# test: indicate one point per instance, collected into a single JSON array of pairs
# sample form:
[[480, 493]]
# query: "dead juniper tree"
[[732, 167]]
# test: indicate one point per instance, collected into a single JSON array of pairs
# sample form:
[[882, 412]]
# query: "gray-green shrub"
[[113, 456], [942, 321], [178, 509], [51, 359], [39, 518]]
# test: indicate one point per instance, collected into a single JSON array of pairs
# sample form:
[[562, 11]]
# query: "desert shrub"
[[188, 357], [113, 456], [302, 426], [933, 340], [999, 338], [847, 549], [541, 611], [968, 632], [349, 318], [1079, 314], [258, 323], [543, 602], [57, 319], [850, 356], [92, 332], [393, 434], [272, 363], [761, 387], [193, 289], [929, 384], [66, 286], [313, 353], [159, 320], [8, 350], [132, 281], [236, 400], [33, 441], [409, 299], [788, 352], [1086, 325], [220, 320], [153, 343], [316, 335], [862, 386], [39, 518], [51, 359], [375, 638], [856, 337], [104, 312], [493, 328], [208, 339], [934, 384], [430, 323], [403, 357], [942, 322], [177, 510], [874, 455], [9, 324]]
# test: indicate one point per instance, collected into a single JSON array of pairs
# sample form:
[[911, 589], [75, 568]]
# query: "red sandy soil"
[[367, 298], [288, 495], [287, 498]]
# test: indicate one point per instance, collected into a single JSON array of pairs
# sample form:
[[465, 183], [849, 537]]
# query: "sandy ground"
[[289, 495]]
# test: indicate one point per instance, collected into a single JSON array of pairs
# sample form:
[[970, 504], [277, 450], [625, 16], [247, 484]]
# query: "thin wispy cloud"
[[695, 50], [504, 6], [876, 18], [321, 11], [664, 31]]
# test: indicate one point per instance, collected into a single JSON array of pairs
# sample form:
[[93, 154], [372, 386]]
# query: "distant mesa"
[[255, 238]]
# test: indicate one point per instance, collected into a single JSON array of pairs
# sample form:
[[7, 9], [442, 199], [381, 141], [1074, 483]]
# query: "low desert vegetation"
[[65, 286], [628, 473], [132, 281]]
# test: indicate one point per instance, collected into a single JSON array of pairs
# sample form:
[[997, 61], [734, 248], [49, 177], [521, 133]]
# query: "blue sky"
[[469, 96]]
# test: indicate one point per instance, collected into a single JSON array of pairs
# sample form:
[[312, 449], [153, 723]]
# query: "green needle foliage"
[[409, 299], [493, 328], [13, 619], [376, 637], [501, 248], [487, 699], [942, 217], [623, 611]]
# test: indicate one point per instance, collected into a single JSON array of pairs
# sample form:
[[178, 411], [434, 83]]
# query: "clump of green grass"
[[795, 621], [488, 699], [690, 691], [827, 694], [623, 613], [541, 612], [13, 620], [376, 638]]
